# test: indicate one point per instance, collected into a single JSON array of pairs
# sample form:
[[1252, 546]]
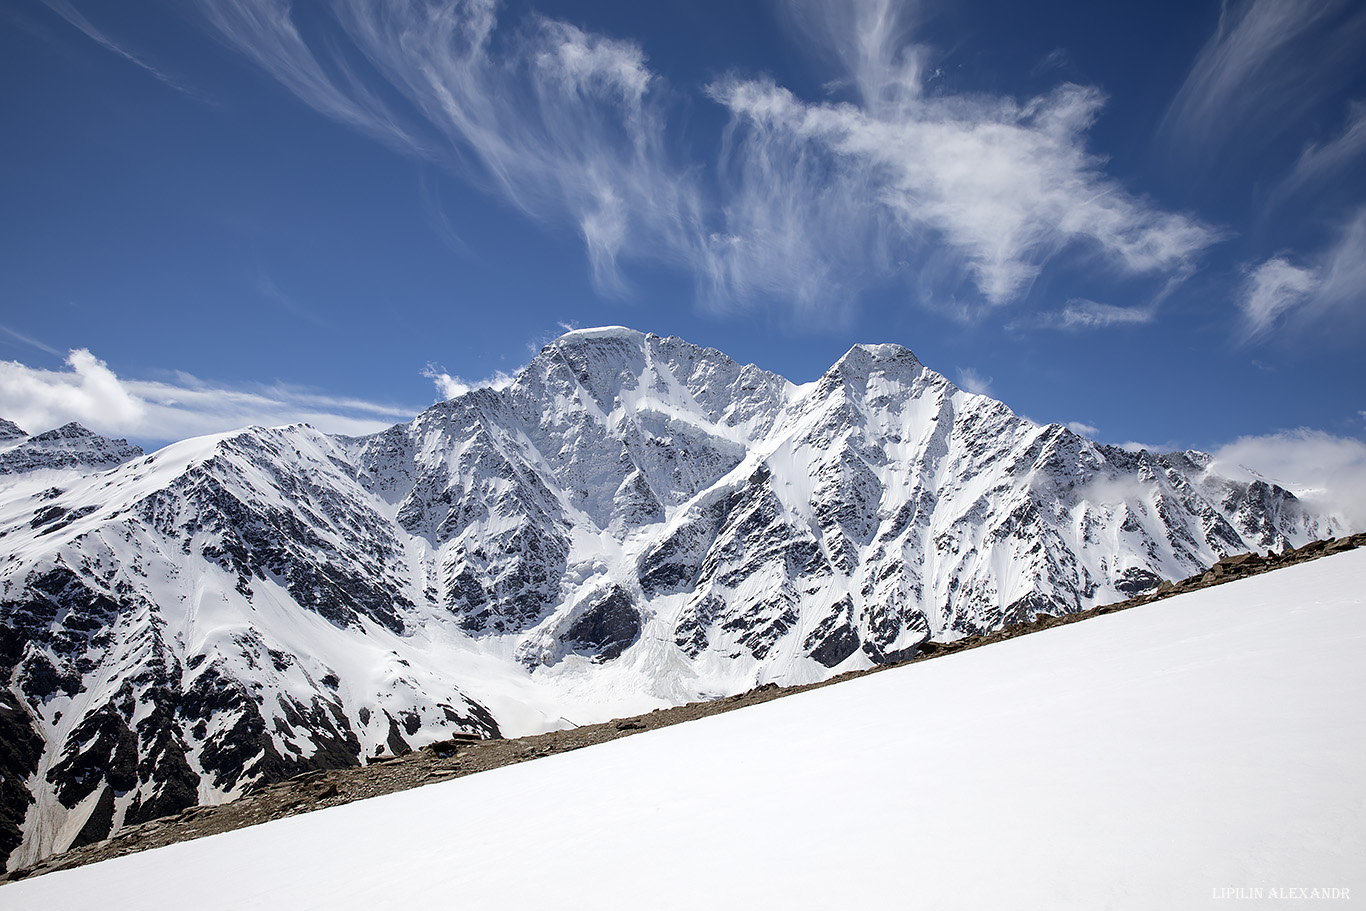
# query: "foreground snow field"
[[1157, 758]]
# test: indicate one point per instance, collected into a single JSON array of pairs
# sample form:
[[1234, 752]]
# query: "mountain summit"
[[634, 521]]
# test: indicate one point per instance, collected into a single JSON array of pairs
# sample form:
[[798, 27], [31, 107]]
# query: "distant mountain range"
[[633, 522]]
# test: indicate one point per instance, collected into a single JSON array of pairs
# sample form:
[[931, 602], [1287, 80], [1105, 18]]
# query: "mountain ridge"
[[633, 522]]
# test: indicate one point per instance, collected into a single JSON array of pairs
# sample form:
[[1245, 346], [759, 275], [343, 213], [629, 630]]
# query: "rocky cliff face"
[[634, 522]]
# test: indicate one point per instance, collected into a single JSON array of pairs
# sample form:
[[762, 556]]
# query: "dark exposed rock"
[[102, 749], [1136, 581], [99, 823], [19, 757], [834, 646], [10, 431], [604, 631]]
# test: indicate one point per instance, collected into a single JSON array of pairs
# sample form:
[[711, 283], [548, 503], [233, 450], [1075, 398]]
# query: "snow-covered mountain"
[[634, 522], [69, 446], [1187, 750]]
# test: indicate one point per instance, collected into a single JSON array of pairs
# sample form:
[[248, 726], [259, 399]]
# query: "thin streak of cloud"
[[164, 411], [267, 288], [1268, 61], [1085, 430], [1318, 163], [28, 340], [432, 207], [264, 31], [64, 9], [560, 123]]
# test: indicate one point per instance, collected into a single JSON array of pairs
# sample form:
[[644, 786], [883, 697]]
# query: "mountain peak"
[[575, 336], [861, 362], [68, 446], [71, 430], [10, 431]]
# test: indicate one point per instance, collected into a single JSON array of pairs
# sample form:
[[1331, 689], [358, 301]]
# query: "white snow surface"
[[1147, 759]]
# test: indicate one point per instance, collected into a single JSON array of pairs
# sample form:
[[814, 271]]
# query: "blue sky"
[[1148, 222]]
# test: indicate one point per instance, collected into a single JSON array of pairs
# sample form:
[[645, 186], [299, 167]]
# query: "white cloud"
[[972, 381], [813, 202], [1272, 288], [1268, 61], [1327, 471], [1085, 430], [1081, 314], [449, 387], [164, 411], [1334, 287], [89, 393], [996, 186], [561, 123]]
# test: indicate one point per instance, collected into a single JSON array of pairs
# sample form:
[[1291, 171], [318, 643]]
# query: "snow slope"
[[1146, 759]]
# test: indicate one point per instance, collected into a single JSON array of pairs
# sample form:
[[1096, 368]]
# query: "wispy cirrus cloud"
[[1278, 292], [563, 124], [32, 342], [68, 12], [265, 32], [989, 185], [806, 204], [816, 199], [1267, 63], [152, 411], [1320, 162]]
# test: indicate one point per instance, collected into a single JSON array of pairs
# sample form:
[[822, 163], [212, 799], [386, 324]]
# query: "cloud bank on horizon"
[[173, 409]]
